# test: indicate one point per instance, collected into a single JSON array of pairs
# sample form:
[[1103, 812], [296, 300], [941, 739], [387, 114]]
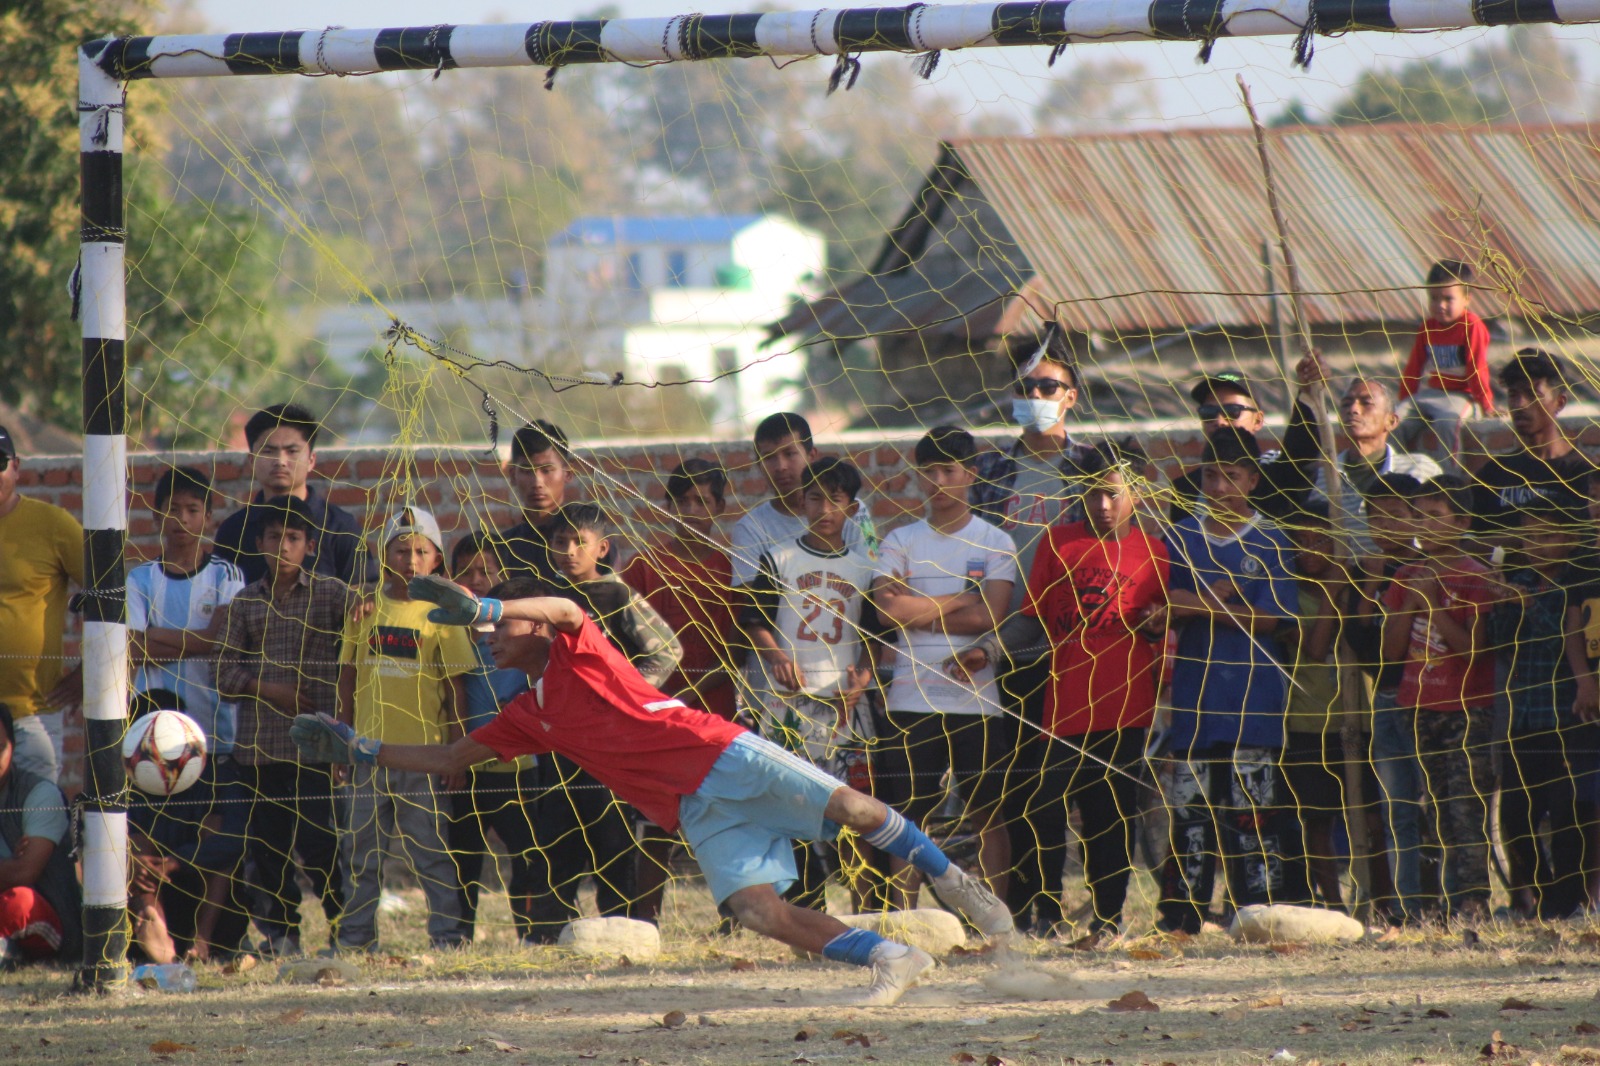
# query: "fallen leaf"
[[1513, 1003], [1586, 1028], [994, 1060], [1147, 954], [805, 1034], [742, 965], [1028, 1039], [289, 1017], [1273, 1000], [395, 1045], [170, 1047], [1131, 1001], [674, 1019], [240, 964], [1288, 948], [1438, 1012], [329, 977], [1497, 1047], [623, 962], [963, 1057], [850, 1036], [588, 1054], [1580, 1054], [1303, 1028], [501, 1045]]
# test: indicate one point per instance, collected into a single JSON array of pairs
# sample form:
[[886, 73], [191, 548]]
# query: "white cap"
[[412, 520]]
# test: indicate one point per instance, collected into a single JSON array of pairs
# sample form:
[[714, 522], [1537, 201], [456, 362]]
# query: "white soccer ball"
[[164, 752]]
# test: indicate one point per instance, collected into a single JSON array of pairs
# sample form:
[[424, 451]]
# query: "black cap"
[[1233, 446], [7, 445], [1230, 379]]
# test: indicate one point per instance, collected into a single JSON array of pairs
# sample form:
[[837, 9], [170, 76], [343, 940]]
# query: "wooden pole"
[[1351, 684]]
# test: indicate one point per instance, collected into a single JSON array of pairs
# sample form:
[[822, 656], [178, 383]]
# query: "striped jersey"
[[160, 600]]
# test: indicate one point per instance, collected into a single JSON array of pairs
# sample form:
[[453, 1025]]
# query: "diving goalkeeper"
[[738, 799]]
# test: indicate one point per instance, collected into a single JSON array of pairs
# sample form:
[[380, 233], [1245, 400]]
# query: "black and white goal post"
[[100, 290], [918, 28]]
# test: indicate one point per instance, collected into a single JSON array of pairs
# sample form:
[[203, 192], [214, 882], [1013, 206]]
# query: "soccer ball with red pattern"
[[164, 752]]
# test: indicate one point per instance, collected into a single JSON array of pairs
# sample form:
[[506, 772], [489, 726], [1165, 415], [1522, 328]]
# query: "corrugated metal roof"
[[1155, 232]]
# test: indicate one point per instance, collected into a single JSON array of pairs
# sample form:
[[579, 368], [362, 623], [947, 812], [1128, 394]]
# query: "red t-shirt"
[[696, 598], [1435, 679], [1089, 594], [1454, 358], [592, 706]]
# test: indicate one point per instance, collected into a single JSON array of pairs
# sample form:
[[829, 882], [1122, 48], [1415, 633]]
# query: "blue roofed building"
[[682, 298]]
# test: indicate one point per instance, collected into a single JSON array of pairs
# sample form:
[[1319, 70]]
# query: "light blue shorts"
[[741, 823]]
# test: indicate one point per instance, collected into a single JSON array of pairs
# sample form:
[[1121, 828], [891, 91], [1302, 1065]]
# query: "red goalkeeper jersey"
[[592, 706]]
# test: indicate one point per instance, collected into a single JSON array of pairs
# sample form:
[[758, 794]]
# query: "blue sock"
[[853, 946], [905, 841]]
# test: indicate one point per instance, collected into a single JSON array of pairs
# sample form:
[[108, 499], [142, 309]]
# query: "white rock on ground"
[[612, 936], [319, 971], [935, 931], [1282, 923]]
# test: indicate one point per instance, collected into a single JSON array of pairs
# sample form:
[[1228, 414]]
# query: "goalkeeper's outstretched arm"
[[455, 606], [323, 738]]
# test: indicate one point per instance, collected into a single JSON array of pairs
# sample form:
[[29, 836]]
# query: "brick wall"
[[465, 490]]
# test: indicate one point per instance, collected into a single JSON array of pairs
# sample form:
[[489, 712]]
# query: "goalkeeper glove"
[[323, 738], [455, 605]]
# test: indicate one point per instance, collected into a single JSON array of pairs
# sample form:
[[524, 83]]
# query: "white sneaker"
[[972, 898], [893, 971]]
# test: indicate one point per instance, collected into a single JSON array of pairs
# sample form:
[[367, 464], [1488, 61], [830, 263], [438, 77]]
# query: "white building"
[[684, 298], [654, 298]]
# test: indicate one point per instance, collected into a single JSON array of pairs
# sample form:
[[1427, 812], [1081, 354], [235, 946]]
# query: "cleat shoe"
[[893, 971], [972, 898]]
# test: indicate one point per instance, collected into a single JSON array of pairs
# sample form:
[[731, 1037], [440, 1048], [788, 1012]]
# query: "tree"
[[1523, 74], [40, 357], [1098, 95]]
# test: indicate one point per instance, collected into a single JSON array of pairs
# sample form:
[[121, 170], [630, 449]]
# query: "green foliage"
[[205, 320], [40, 356], [203, 313], [1524, 74]]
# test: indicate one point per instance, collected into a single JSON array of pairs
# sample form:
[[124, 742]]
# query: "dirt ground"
[[1524, 993]]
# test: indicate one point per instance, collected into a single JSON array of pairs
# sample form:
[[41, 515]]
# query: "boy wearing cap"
[[1232, 589], [402, 679], [41, 553], [1283, 478]]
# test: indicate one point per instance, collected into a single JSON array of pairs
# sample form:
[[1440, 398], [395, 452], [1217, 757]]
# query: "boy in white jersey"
[[808, 616], [943, 581], [175, 607], [807, 619], [176, 611], [784, 448]]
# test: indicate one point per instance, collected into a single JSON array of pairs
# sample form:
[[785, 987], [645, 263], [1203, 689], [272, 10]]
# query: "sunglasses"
[[1209, 411], [1047, 387], [5, 462]]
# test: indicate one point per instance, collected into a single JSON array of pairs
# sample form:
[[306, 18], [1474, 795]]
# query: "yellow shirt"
[[402, 663], [41, 552]]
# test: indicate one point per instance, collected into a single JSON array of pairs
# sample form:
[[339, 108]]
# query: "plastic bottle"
[[169, 977]]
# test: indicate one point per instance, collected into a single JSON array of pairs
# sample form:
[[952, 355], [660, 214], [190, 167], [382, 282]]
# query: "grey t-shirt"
[[1043, 496]]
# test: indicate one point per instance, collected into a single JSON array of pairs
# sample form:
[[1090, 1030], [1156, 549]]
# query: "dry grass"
[[1427, 998]]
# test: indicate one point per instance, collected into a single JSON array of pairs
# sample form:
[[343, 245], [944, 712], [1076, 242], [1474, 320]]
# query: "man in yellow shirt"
[[41, 554], [402, 680]]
